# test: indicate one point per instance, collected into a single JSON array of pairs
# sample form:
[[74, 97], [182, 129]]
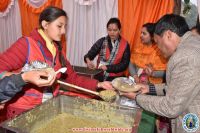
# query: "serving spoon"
[[106, 95], [62, 70]]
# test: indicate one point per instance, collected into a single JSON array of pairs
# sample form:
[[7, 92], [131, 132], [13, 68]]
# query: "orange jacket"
[[149, 54]]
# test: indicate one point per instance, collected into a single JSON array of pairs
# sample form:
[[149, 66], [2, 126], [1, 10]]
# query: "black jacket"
[[9, 86], [96, 48]]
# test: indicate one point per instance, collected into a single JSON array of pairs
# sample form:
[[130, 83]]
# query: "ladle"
[[62, 70], [102, 94]]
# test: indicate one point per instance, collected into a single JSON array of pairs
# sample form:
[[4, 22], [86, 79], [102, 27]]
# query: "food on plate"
[[125, 85]]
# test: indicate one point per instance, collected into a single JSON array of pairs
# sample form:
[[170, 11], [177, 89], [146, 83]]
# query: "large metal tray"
[[84, 71], [98, 110]]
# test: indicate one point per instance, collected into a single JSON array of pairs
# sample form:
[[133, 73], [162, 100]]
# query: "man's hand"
[[40, 78], [143, 89], [105, 85]]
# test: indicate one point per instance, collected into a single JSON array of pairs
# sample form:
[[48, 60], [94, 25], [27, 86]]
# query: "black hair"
[[150, 28], [50, 14], [172, 22], [114, 21]]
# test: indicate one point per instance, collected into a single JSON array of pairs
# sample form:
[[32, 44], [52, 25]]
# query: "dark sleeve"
[[9, 86], [159, 74], [123, 64], [94, 50]]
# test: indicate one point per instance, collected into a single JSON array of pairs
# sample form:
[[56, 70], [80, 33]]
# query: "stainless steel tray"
[[96, 110], [84, 71]]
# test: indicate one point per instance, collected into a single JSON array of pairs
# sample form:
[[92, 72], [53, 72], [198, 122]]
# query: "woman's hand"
[[89, 63], [149, 69], [103, 67], [105, 85], [136, 78]]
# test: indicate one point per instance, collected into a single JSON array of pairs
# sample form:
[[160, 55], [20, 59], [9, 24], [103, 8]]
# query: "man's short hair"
[[172, 22]]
